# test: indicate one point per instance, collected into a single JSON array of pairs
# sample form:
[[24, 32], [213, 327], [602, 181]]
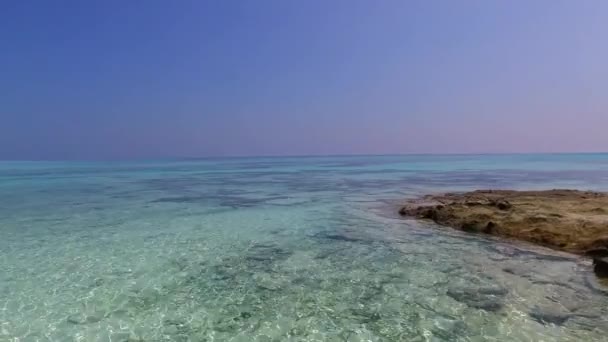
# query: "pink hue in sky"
[[190, 79]]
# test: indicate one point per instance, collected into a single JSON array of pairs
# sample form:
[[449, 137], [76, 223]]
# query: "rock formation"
[[569, 220]]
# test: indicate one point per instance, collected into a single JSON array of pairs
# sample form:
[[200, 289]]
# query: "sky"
[[165, 79]]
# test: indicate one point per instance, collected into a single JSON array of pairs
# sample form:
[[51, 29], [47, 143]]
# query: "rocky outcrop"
[[569, 220]]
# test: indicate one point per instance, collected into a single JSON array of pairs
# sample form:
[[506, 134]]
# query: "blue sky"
[[153, 79]]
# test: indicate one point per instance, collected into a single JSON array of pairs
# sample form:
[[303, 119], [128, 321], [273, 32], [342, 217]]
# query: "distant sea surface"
[[283, 249]]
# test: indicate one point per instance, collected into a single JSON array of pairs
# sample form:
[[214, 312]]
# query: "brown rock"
[[568, 220], [502, 205]]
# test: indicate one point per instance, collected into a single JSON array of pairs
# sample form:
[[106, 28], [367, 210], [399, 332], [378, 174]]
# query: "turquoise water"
[[282, 249]]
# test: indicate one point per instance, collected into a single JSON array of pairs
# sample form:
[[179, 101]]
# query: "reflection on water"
[[282, 249]]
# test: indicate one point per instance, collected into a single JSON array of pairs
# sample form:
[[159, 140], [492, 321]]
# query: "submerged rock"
[[489, 299], [365, 316], [266, 252], [550, 316], [85, 319], [76, 319], [340, 235]]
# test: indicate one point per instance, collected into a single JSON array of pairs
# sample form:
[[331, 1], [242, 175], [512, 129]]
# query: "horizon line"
[[191, 158]]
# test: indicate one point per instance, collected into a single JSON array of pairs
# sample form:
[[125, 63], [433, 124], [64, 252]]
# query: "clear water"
[[282, 249]]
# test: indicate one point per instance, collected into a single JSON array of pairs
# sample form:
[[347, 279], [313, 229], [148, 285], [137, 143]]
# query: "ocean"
[[283, 249]]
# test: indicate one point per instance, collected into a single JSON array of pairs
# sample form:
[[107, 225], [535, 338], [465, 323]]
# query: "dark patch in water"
[[487, 299], [181, 199], [514, 252], [266, 252], [223, 272], [234, 202], [328, 253], [338, 236], [364, 316], [549, 317]]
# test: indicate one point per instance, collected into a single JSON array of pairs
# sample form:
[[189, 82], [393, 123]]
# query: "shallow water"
[[282, 249]]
